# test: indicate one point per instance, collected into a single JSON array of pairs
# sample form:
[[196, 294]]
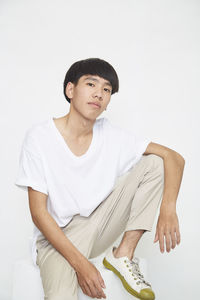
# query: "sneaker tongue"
[[136, 260], [124, 257]]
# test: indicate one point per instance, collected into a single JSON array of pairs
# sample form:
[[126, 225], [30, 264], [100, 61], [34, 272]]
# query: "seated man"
[[88, 181]]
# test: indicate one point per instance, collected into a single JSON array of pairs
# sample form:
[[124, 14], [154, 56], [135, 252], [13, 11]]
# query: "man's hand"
[[90, 280], [167, 226]]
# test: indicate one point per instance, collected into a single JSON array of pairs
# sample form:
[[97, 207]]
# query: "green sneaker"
[[129, 273]]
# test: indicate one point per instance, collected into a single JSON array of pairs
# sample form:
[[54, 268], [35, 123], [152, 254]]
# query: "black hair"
[[92, 66]]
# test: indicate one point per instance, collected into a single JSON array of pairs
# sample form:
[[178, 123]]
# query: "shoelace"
[[136, 270]]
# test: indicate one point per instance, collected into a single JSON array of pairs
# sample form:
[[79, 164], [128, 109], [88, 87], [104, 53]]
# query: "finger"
[[178, 236], [168, 241], [173, 239], [94, 290], [101, 280], [84, 290], [161, 240], [156, 237], [99, 289], [87, 289]]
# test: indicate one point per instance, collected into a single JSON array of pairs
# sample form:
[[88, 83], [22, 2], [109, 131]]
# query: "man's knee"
[[158, 162]]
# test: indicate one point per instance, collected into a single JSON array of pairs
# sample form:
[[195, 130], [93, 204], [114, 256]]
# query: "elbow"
[[35, 221], [35, 218], [180, 159], [37, 215]]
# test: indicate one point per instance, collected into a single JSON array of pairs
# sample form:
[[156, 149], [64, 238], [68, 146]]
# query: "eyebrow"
[[94, 79]]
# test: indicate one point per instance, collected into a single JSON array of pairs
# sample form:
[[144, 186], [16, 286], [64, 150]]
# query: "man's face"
[[90, 88]]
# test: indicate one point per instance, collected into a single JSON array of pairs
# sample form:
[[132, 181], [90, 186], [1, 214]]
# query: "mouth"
[[96, 105]]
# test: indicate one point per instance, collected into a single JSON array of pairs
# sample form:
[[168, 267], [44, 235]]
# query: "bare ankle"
[[120, 253]]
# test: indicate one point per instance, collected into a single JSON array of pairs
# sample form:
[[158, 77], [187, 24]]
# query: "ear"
[[69, 90]]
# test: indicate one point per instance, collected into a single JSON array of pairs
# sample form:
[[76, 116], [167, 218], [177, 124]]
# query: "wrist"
[[166, 207], [78, 264]]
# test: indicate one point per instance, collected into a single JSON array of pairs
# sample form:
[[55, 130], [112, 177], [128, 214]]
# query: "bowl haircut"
[[91, 66]]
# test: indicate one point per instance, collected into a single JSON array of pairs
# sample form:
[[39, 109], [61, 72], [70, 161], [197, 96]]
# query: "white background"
[[154, 47]]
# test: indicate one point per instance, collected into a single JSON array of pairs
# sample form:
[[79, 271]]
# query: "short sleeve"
[[30, 168], [132, 147]]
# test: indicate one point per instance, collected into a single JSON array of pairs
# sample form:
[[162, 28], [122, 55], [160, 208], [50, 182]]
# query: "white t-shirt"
[[75, 184]]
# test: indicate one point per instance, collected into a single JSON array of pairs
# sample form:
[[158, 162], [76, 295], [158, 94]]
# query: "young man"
[[88, 181]]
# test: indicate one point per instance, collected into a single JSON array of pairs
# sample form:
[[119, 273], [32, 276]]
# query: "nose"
[[98, 93]]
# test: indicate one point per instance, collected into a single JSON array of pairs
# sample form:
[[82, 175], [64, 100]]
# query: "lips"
[[95, 104]]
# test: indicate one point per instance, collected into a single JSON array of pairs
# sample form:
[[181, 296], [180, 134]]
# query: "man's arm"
[[173, 166], [173, 171], [50, 229], [89, 277]]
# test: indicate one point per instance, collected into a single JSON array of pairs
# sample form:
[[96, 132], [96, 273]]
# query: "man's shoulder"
[[112, 126], [35, 132], [112, 130], [37, 127]]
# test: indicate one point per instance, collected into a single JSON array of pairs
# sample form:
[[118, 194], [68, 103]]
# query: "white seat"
[[27, 283]]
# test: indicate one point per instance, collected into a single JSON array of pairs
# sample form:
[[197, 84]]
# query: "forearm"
[[50, 229], [173, 173]]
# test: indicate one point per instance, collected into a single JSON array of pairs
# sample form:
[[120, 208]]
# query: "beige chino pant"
[[131, 205]]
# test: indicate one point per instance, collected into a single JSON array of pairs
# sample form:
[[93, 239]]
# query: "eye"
[[90, 83], [109, 91]]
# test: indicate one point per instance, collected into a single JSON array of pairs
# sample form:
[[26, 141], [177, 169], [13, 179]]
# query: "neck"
[[77, 128]]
